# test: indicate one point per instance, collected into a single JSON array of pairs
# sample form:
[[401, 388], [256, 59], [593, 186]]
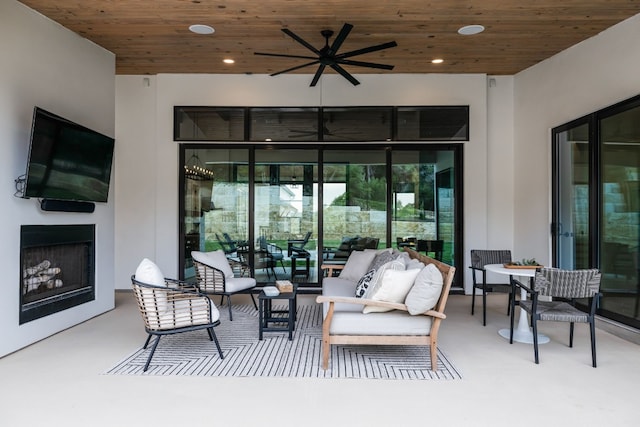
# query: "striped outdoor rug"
[[192, 353]]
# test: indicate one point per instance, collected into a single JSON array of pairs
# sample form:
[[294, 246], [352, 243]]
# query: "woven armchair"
[[214, 276], [480, 258], [564, 287], [170, 306]]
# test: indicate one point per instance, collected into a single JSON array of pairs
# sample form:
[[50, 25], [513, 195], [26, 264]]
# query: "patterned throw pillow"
[[364, 282], [381, 259]]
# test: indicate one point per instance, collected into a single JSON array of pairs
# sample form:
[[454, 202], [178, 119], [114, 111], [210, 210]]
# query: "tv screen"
[[67, 161]]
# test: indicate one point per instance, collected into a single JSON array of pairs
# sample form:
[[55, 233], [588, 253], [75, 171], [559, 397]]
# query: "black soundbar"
[[67, 206]]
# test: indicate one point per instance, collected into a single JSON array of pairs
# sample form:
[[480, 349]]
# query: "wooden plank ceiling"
[[152, 36]]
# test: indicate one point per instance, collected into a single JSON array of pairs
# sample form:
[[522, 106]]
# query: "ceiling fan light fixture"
[[469, 30], [201, 29]]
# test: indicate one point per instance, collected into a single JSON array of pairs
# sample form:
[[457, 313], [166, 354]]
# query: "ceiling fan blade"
[[367, 50], [294, 68], [284, 55], [342, 35], [345, 74], [301, 41], [364, 64], [316, 77]]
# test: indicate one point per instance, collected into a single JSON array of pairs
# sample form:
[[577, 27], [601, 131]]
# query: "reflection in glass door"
[[354, 202], [571, 225], [619, 227], [285, 215], [215, 205]]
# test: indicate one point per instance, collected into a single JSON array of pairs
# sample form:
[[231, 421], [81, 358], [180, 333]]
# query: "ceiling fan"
[[328, 55]]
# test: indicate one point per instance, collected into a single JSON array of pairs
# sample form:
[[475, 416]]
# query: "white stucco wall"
[[155, 222], [45, 65], [589, 76]]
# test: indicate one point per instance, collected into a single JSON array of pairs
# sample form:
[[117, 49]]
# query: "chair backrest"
[[302, 243], [209, 279], [435, 246], [482, 257], [569, 284]]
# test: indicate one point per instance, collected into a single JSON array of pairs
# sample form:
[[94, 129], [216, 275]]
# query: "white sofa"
[[400, 307]]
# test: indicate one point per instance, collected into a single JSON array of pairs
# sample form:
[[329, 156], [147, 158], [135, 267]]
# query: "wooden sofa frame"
[[437, 313]]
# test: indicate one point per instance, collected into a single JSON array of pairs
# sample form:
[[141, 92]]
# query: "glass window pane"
[[284, 124], [208, 124], [357, 124], [286, 215], [620, 236], [423, 203], [445, 123], [216, 204], [355, 202]]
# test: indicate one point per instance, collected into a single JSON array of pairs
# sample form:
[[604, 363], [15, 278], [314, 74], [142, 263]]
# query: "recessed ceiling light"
[[437, 61], [228, 61], [469, 30], [201, 29]]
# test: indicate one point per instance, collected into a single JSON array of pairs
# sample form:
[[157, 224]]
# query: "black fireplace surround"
[[57, 268]]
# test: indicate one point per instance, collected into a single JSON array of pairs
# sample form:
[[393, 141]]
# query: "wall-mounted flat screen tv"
[[67, 161]]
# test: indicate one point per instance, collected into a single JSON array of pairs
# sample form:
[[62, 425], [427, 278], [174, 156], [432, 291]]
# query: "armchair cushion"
[[237, 284], [357, 265], [216, 259], [148, 272], [376, 280], [394, 287], [426, 290]]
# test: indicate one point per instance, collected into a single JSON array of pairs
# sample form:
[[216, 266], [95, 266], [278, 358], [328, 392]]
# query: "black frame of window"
[[458, 150], [391, 127]]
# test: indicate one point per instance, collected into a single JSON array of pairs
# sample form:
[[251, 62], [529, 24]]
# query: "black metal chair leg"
[[229, 304], [571, 334], [592, 326], [513, 312], [535, 338], [212, 334], [484, 306], [146, 343], [473, 299], [153, 350], [253, 300]]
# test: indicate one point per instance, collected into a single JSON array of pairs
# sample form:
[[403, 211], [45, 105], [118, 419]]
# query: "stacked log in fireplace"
[[41, 277]]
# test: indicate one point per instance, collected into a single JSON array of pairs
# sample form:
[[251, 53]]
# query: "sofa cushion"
[[357, 265], [426, 290], [337, 287], [392, 323], [381, 259], [216, 259], [394, 287]]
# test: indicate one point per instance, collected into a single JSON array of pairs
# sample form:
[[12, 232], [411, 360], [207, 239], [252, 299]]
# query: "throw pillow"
[[357, 265], [394, 264], [216, 259], [381, 259], [426, 290], [363, 283], [148, 272], [394, 287]]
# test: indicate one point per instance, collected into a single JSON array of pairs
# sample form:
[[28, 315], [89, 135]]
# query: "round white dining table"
[[522, 331]]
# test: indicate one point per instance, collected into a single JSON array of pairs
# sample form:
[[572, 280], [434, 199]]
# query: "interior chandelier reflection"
[[193, 169]]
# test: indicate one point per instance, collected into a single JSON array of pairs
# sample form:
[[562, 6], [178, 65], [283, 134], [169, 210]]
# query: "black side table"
[[267, 316]]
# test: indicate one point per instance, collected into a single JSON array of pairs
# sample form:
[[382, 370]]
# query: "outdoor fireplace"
[[57, 268]]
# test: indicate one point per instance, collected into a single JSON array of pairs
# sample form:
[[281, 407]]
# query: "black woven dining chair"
[[480, 258]]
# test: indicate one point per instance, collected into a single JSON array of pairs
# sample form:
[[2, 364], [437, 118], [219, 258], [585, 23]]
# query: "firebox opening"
[[57, 268]]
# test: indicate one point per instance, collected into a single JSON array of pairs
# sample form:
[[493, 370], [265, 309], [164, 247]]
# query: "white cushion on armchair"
[[216, 259], [237, 284]]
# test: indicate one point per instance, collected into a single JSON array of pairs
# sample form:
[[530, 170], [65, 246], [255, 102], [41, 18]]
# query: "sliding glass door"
[[281, 211], [596, 203]]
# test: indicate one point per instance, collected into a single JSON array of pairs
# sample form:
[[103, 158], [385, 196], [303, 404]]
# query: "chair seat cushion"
[[238, 284], [556, 311]]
